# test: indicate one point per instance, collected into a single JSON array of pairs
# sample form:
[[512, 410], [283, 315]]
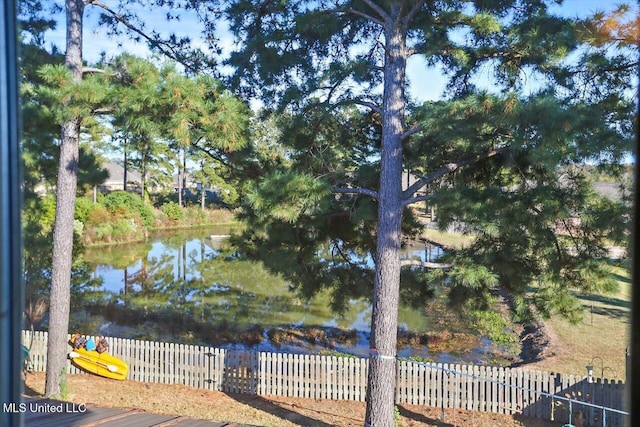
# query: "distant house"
[[116, 178], [610, 190]]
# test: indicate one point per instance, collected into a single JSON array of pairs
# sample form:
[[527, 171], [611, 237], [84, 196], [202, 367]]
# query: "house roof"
[[610, 190], [116, 174]]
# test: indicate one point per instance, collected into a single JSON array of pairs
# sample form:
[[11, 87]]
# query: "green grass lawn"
[[601, 339], [447, 240]]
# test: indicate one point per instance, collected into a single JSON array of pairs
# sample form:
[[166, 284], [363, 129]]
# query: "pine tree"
[[185, 109], [502, 161]]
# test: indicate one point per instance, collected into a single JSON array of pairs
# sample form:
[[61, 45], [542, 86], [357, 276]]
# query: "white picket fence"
[[538, 394]]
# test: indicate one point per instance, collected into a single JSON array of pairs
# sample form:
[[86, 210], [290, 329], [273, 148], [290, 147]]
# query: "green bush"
[[123, 204], [78, 227], [99, 215], [123, 227], [84, 207], [173, 211], [494, 326], [47, 214], [103, 231]]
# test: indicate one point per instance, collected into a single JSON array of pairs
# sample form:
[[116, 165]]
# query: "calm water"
[[176, 287]]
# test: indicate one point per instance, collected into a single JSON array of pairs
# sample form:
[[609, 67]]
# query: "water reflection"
[[180, 287]]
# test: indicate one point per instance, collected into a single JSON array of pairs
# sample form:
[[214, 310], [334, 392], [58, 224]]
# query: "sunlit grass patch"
[[601, 338]]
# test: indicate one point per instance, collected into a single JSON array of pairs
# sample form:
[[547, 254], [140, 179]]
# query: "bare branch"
[[91, 70], [377, 9], [371, 105], [164, 47], [101, 111], [412, 13], [444, 170], [425, 264], [366, 16], [356, 190], [410, 132]]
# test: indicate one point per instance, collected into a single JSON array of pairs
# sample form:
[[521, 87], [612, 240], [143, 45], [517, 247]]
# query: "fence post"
[[532, 393]]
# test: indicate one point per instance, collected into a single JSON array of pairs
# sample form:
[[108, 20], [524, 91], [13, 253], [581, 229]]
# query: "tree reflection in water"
[[186, 288]]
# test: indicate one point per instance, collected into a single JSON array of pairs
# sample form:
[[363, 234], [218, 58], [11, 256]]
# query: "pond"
[[176, 287]]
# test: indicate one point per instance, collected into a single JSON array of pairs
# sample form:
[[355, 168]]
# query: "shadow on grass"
[[612, 313], [279, 410], [615, 302], [621, 278]]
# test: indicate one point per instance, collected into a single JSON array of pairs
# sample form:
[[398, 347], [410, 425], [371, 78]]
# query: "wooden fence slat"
[[267, 374], [324, 375], [468, 389], [315, 377], [532, 393]]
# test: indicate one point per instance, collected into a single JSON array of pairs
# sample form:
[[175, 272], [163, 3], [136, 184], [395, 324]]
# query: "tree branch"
[[410, 132], [91, 70], [103, 110], [410, 51], [212, 154], [371, 105], [444, 170], [380, 11], [425, 264], [356, 190], [366, 16], [412, 13], [164, 47]]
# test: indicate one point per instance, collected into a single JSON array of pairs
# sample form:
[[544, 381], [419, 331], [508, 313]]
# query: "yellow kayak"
[[102, 364]]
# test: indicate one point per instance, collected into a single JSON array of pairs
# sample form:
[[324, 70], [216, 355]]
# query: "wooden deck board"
[[52, 413]]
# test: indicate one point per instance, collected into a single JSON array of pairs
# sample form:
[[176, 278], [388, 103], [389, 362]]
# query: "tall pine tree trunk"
[[125, 168], [180, 178], [63, 227], [203, 195], [384, 321], [143, 180]]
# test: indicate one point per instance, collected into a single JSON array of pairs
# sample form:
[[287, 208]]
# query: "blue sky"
[[430, 84], [426, 83]]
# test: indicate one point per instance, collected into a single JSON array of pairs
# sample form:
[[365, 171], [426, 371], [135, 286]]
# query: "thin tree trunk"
[[184, 177], [125, 167], [63, 227], [203, 195], [384, 321], [180, 178], [143, 179]]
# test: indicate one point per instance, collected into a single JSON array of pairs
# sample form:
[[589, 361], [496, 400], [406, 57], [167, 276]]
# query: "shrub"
[[99, 215], [173, 211], [84, 207], [78, 227], [103, 231], [47, 214], [122, 227], [128, 205]]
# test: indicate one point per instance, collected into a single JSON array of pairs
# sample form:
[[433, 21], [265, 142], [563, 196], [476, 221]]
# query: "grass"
[[601, 339], [447, 240]]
